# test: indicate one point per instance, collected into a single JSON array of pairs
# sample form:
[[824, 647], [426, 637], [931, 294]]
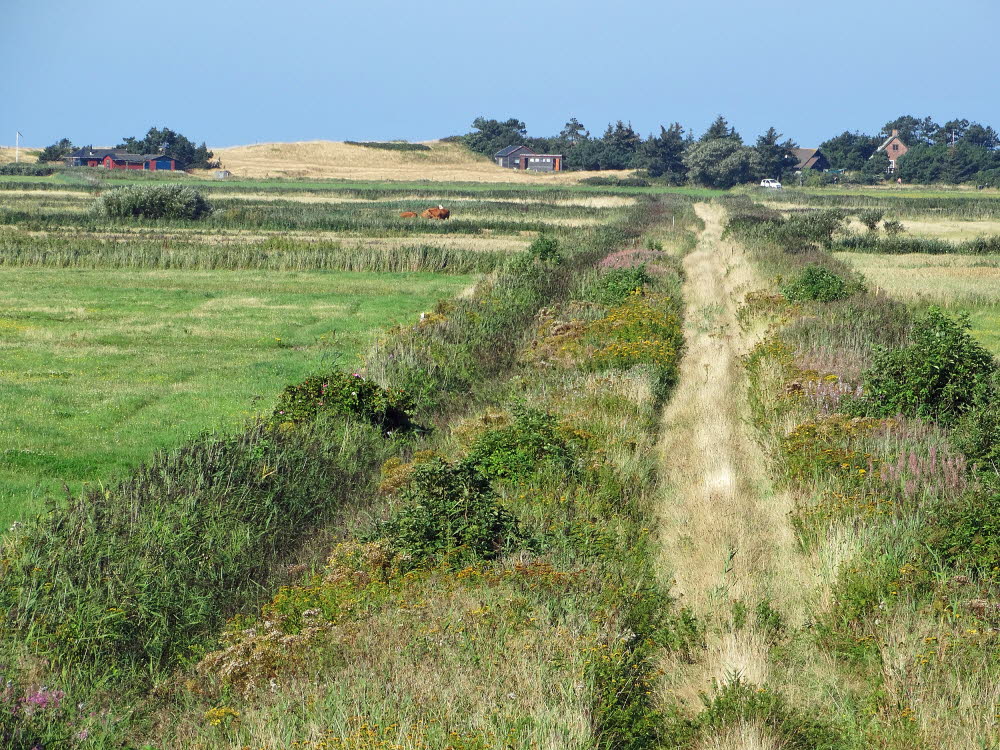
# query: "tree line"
[[718, 158], [957, 151], [166, 141]]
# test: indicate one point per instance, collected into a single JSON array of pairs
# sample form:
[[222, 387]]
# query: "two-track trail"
[[725, 535]]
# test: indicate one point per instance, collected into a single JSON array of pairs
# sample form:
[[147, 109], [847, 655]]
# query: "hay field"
[[27, 155], [445, 162], [960, 283]]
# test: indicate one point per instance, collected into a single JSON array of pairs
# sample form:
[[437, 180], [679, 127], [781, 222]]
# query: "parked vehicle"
[[772, 184]]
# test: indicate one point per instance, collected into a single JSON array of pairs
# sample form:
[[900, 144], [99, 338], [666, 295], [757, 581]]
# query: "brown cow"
[[408, 215], [436, 213]]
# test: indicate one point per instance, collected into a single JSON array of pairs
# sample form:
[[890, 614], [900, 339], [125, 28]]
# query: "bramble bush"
[[977, 432], [965, 534], [545, 248], [935, 377], [153, 202], [343, 393], [613, 287], [871, 217], [515, 451], [450, 510], [820, 285]]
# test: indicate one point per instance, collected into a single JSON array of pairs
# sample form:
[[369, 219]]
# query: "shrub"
[[894, 228], [153, 202], [871, 218], [935, 377], [814, 227], [966, 534], [613, 287], [344, 393], [513, 452], [821, 285], [450, 510], [545, 248], [977, 432]]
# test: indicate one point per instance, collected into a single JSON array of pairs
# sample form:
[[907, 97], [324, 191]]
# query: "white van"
[[772, 184]]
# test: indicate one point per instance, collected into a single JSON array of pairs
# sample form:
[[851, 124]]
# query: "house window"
[[895, 147]]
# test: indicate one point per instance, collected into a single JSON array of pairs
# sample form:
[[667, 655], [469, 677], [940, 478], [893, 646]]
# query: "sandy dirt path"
[[724, 529]]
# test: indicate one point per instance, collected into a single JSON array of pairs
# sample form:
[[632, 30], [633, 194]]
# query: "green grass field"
[[101, 368]]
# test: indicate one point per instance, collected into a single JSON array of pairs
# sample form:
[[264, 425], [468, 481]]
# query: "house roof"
[[887, 141], [89, 152], [509, 150], [138, 158], [807, 157]]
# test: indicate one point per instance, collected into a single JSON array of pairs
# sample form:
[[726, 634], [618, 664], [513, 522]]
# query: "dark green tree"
[[57, 150], [720, 128], [573, 132], [719, 163], [174, 145], [772, 158], [981, 135], [850, 150], [663, 155], [489, 136], [912, 130]]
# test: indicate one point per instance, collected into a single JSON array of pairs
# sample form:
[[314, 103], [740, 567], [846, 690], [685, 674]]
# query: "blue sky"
[[239, 71]]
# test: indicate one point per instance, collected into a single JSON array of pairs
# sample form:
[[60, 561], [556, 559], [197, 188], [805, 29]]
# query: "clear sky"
[[239, 71]]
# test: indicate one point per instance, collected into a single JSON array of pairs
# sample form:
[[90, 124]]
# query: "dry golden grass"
[[27, 155], [724, 529], [946, 280], [954, 230], [445, 162]]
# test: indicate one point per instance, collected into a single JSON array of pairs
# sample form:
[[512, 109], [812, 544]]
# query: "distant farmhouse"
[[522, 157], [892, 147], [119, 158], [810, 158]]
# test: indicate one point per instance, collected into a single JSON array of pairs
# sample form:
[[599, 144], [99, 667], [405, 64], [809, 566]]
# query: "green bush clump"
[[153, 202], [871, 217], [545, 248], [345, 393], [966, 534], [613, 287], [450, 510], [813, 228], [977, 431], [515, 451], [819, 284], [936, 377]]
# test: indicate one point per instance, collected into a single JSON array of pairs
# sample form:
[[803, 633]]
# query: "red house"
[[892, 147], [119, 158], [152, 162]]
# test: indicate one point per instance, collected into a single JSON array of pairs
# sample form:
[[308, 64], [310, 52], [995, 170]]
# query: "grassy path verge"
[[726, 538]]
